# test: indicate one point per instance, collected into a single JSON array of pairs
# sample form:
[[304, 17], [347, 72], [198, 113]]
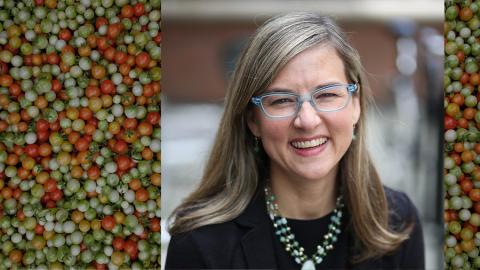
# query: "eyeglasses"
[[327, 98]]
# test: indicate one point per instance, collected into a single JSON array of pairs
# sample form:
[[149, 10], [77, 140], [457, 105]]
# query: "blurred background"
[[401, 46]]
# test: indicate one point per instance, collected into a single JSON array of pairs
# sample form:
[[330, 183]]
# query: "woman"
[[289, 183]]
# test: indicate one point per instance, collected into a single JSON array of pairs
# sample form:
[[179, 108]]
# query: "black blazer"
[[246, 241]]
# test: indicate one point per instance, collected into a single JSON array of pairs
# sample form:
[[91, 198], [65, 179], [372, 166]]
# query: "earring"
[[256, 147], [353, 135]]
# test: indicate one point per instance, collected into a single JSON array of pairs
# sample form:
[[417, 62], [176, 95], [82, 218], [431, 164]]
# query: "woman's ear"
[[356, 108], [252, 123]]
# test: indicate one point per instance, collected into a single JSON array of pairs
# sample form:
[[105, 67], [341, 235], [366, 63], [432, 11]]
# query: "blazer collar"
[[257, 242]]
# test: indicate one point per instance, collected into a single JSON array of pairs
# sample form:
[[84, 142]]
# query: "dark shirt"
[[247, 242], [310, 233]]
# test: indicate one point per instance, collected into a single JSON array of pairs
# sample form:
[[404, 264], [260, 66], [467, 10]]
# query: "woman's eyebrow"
[[284, 90]]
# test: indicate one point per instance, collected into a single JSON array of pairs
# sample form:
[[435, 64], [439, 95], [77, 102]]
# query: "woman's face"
[[309, 145]]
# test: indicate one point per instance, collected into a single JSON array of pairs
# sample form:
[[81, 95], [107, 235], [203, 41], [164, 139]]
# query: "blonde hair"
[[234, 170]]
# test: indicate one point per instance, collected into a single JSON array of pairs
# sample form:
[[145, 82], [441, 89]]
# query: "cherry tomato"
[[108, 223], [65, 34], [107, 87], [127, 11], [141, 195], [120, 147], [145, 129], [474, 194], [139, 9], [118, 243], [123, 163], [130, 247], [142, 60], [114, 29], [98, 72], [153, 118], [82, 144]]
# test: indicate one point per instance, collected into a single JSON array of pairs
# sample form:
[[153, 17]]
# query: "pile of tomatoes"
[[462, 136], [80, 116]]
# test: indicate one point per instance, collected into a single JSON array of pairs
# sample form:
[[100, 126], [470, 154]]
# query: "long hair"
[[234, 170]]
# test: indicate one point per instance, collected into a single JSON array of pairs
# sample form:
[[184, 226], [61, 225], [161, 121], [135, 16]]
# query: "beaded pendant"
[[287, 238]]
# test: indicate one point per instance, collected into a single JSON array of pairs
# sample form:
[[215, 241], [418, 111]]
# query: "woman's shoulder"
[[202, 244], [401, 208]]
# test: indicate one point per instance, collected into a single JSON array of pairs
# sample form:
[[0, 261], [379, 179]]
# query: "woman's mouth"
[[309, 143]]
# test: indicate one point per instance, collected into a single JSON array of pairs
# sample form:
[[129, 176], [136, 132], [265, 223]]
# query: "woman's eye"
[[282, 101], [326, 95]]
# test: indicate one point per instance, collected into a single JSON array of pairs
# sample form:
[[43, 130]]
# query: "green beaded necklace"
[[287, 238]]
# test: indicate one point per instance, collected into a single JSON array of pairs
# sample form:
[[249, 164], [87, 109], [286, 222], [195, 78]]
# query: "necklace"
[[287, 238]]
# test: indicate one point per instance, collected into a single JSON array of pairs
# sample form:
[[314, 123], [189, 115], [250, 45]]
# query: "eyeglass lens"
[[330, 99]]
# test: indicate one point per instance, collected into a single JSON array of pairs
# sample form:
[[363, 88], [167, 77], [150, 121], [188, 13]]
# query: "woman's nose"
[[307, 117]]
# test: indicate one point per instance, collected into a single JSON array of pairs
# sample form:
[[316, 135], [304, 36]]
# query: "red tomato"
[[476, 206], [145, 129], [127, 11], [123, 163], [120, 57], [50, 185], [57, 194], [466, 185], [39, 229], [158, 38], [100, 21], [94, 91], [85, 113], [4, 68], [31, 150], [107, 87], [109, 53], [449, 122], [139, 9], [463, 123], [55, 126], [114, 29], [42, 136], [42, 125], [120, 147], [474, 194], [65, 34], [130, 123], [56, 85], [142, 60], [53, 58], [6, 80], [155, 224], [118, 243], [130, 247], [82, 144], [108, 223], [141, 195], [153, 118], [93, 172]]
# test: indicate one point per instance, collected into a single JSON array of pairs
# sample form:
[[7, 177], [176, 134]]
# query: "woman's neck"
[[304, 199]]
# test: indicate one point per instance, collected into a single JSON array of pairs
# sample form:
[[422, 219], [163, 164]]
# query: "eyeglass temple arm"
[[256, 100], [352, 88]]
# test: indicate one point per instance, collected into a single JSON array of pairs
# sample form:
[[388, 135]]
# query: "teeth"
[[309, 144]]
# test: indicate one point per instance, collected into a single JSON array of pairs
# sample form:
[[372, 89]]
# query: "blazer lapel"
[[257, 243]]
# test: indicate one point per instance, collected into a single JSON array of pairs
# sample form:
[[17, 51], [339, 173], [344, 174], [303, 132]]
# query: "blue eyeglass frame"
[[257, 100]]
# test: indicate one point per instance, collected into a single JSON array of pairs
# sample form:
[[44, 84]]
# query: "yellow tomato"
[[84, 226], [64, 158], [96, 224], [95, 104], [72, 113], [28, 163]]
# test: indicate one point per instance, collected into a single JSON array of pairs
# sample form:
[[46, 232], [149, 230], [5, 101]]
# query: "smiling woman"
[[289, 182]]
